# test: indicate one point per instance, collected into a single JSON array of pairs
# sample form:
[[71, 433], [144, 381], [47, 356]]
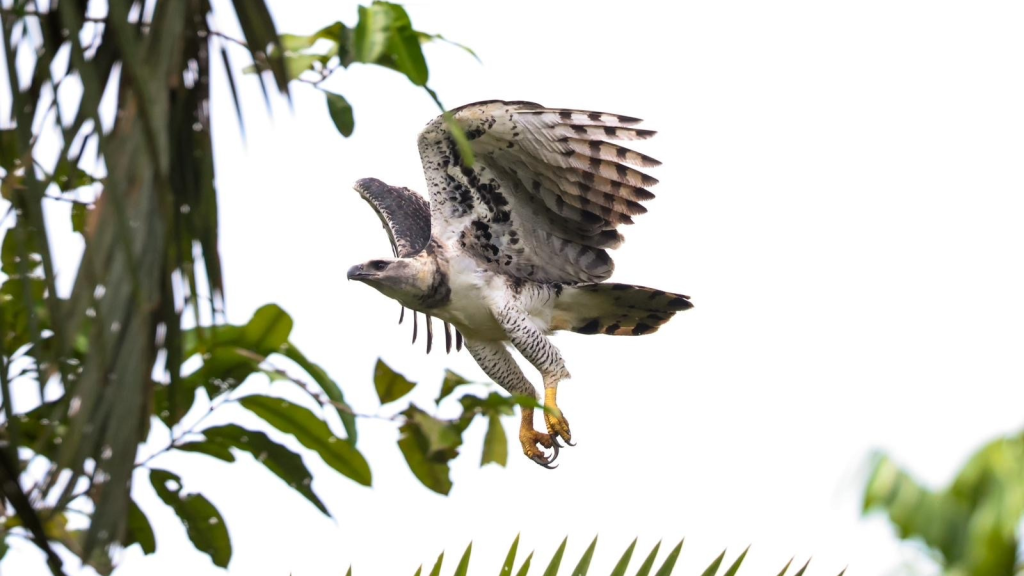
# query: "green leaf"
[[450, 383], [463, 566], [623, 563], [390, 385], [510, 558], [437, 565], [670, 561], [372, 33], [405, 46], [804, 569], [287, 465], [495, 443], [296, 64], [341, 113], [312, 433], [234, 88], [139, 530], [525, 568], [786, 567], [428, 445], [261, 37], [213, 449], [584, 564], [267, 331], [556, 560], [736, 564], [328, 386], [645, 568], [295, 43], [10, 155], [712, 569], [79, 213], [424, 38], [203, 522]]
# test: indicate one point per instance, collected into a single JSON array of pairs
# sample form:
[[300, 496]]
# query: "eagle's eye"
[[380, 265]]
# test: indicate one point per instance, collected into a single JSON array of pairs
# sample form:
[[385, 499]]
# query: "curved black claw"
[[547, 462], [573, 444]]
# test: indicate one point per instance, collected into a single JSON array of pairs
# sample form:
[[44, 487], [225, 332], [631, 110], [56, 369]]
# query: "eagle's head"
[[408, 280]]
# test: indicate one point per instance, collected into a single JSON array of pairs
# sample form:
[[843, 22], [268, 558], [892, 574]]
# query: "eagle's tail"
[[616, 309]]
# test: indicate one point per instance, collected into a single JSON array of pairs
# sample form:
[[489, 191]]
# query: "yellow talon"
[[531, 438], [558, 426]]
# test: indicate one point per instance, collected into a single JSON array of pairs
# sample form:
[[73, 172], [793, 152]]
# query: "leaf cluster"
[[974, 524]]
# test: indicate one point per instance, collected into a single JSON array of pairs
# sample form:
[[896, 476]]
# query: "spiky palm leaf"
[[582, 567]]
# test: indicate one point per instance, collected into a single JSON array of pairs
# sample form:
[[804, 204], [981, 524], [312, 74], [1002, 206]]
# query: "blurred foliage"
[[582, 566], [110, 113], [973, 526]]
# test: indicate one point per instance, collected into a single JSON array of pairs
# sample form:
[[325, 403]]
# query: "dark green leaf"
[[215, 449], [79, 212], [463, 566], [510, 558], [645, 568], [712, 569], [451, 382], [786, 567], [312, 433], [623, 563], [139, 530], [428, 445], [556, 560], [495, 443], [804, 569], [10, 155], [736, 563], [390, 385], [261, 36], [287, 465], [341, 113], [670, 561], [203, 522], [234, 88], [584, 564]]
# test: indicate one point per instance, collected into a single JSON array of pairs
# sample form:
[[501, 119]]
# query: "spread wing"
[[404, 213], [406, 217], [546, 192]]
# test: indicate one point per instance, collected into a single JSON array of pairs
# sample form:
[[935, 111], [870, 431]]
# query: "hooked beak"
[[357, 272]]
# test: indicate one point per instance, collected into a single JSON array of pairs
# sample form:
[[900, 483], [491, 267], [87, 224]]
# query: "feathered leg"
[[500, 366], [535, 347]]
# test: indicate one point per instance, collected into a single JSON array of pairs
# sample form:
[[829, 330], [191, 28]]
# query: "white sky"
[[840, 195]]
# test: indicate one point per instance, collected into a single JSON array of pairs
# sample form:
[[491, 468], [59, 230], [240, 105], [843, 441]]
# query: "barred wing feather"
[[546, 193]]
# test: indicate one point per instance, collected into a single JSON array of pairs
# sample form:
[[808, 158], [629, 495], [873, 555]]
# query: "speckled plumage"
[[514, 247]]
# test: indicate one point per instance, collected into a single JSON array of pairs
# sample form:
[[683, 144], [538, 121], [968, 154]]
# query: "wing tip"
[[367, 184]]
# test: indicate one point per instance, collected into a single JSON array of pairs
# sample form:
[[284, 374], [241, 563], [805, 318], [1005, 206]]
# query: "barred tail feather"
[[616, 309]]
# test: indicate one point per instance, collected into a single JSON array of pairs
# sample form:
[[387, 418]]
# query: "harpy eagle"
[[513, 248]]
